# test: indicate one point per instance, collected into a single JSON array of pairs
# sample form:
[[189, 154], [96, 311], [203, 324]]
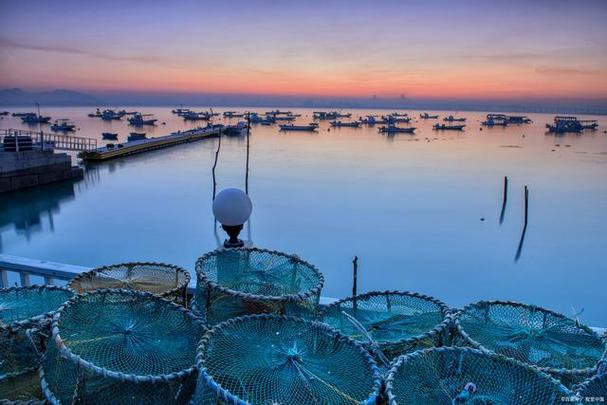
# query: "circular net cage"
[[25, 314], [273, 359], [236, 282], [595, 387], [165, 280], [462, 375], [121, 347], [398, 322], [558, 345]]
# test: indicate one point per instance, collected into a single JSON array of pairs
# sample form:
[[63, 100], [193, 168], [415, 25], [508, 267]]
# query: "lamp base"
[[233, 231]]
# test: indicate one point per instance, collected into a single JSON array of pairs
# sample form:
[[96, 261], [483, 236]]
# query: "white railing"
[[49, 272]]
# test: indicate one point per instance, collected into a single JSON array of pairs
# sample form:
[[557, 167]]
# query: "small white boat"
[[437, 127]]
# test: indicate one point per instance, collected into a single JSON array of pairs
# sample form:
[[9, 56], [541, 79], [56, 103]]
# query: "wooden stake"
[[215, 165], [354, 279], [505, 199], [246, 181]]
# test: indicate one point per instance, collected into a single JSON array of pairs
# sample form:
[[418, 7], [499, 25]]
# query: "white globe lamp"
[[232, 207]]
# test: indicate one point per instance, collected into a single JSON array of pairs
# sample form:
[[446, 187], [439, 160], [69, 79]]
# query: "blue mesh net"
[[561, 346], [121, 347], [399, 322], [270, 359], [458, 375], [21, 388], [594, 390], [236, 282], [25, 314]]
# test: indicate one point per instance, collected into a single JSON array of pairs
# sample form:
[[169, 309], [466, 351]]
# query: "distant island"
[[62, 97]]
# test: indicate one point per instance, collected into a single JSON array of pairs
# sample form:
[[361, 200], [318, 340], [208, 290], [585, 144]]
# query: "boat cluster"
[[564, 124]]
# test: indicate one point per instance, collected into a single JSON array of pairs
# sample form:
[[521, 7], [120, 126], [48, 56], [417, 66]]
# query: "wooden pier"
[[114, 150]]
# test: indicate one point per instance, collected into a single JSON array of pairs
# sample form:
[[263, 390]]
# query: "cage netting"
[[595, 387], [165, 280], [398, 321], [558, 345], [236, 282], [21, 388], [121, 347], [25, 314], [463, 375], [274, 359]]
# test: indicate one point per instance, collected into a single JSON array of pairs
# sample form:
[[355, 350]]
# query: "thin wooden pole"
[[504, 200], [354, 279], [522, 240], [246, 180], [215, 166]]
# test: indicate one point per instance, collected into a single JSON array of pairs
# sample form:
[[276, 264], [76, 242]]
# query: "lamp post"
[[232, 207]]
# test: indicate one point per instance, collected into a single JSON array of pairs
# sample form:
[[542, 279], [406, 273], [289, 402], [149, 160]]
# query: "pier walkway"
[[113, 150], [52, 141]]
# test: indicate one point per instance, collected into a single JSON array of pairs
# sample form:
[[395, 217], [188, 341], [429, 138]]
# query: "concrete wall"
[[33, 168]]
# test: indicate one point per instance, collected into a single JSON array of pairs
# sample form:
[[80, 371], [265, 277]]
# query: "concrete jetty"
[[33, 168]]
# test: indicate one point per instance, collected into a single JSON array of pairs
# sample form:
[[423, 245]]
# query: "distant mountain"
[[18, 97]]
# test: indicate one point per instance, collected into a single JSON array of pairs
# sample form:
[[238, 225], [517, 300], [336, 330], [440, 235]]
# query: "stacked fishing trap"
[[165, 280], [235, 282], [556, 344], [25, 314], [462, 375], [272, 359], [398, 322], [595, 387], [121, 347]]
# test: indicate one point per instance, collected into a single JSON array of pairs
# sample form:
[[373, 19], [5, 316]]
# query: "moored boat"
[[393, 129], [451, 118], [136, 136], [427, 116], [342, 124], [110, 115], [494, 120], [96, 114], [63, 125], [232, 114], [33, 118], [235, 130], [518, 119], [437, 127], [291, 127], [138, 120], [564, 124], [109, 135]]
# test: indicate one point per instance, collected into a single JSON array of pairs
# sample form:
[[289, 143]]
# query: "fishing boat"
[[341, 124], [427, 116], [451, 118], [437, 127], [137, 120], [109, 135], [518, 119], [232, 114], [494, 120], [4, 113], [63, 125], [368, 120], [96, 114], [278, 112], [283, 117], [236, 130], [330, 115], [110, 115], [291, 127], [136, 136], [397, 114], [180, 111], [196, 116], [21, 114], [397, 118], [393, 129], [563, 124], [33, 118]]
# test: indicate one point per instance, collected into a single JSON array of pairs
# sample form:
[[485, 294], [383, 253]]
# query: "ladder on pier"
[[54, 141]]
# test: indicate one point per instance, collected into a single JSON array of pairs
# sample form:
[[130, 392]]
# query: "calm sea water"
[[421, 212]]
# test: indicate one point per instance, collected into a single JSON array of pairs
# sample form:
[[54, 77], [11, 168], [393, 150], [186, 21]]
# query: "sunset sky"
[[427, 49]]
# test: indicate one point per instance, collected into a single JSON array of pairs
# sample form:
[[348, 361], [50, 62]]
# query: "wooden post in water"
[[504, 200], [526, 205], [246, 180], [522, 240], [215, 165], [354, 279]]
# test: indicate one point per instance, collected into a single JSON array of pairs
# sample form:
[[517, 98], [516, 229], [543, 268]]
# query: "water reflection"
[[25, 210]]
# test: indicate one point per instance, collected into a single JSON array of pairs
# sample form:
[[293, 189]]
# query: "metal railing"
[[39, 139]]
